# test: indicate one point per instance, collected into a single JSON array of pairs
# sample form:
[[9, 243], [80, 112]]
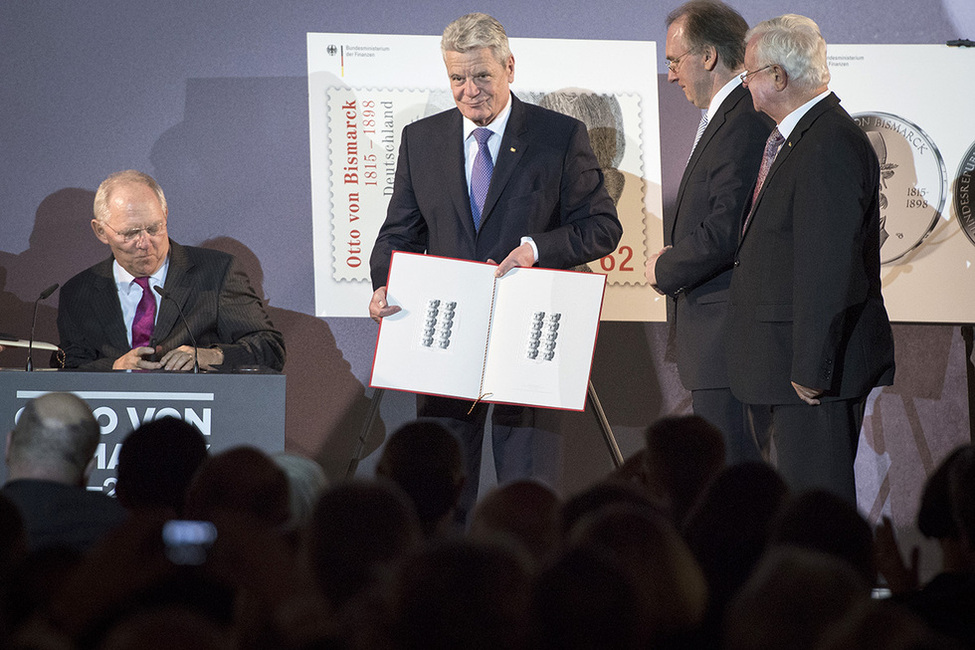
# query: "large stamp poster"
[[914, 103], [363, 89]]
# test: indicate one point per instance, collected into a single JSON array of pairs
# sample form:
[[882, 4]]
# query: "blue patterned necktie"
[[480, 174]]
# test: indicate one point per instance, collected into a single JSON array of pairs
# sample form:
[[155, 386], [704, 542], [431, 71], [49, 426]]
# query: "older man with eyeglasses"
[[113, 316], [809, 336]]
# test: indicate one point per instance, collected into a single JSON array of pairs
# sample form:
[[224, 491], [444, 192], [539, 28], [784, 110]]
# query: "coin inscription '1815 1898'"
[[913, 182]]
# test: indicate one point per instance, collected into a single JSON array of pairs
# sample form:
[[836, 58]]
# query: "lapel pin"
[[512, 149]]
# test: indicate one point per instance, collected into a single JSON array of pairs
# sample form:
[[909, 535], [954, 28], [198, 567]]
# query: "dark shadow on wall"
[[236, 176], [61, 244], [931, 369], [325, 404], [238, 165]]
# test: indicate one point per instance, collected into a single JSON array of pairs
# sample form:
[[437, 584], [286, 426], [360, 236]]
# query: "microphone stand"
[[196, 355], [33, 321]]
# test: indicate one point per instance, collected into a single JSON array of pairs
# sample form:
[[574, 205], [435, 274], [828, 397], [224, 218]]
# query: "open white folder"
[[526, 338]]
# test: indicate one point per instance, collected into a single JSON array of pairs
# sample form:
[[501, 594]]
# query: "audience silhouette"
[[683, 455], [523, 512], [425, 461], [49, 456], [676, 552], [156, 463], [728, 530]]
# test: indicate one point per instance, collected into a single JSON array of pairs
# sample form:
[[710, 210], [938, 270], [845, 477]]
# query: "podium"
[[229, 409]]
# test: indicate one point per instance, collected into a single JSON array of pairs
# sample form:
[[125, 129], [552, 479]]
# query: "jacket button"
[[737, 262]]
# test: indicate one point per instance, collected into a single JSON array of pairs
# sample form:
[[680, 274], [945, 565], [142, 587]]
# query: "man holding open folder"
[[496, 179]]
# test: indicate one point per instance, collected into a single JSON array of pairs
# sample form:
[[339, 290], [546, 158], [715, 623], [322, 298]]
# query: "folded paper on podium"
[[526, 338]]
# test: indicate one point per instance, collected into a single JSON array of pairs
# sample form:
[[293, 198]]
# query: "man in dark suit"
[[544, 203], [108, 320], [705, 52], [809, 334], [49, 456]]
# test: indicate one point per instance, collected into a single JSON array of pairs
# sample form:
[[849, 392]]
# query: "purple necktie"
[[772, 146], [480, 174], [145, 316]]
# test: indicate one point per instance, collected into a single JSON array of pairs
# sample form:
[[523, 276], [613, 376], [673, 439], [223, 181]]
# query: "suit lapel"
[[720, 117], [688, 170], [450, 152], [106, 306], [827, 103], [178, 286], [514, 143]]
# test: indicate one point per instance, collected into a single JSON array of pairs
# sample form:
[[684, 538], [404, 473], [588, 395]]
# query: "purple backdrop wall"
[[211, 98]]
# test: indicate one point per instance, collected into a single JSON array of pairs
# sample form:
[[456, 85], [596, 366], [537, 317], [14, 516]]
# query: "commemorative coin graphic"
[[913, 182], [964, 196]]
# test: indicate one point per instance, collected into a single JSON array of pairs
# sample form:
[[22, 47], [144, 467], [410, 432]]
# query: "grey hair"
[[793, 42], [474, 32], [104, 193], [56, 431]]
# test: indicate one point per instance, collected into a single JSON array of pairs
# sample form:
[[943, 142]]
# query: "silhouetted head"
[[585, 600], [669, 583], [823, 521], [359, 532], [684, 454], [156, 463], [54, 439], [792, 599], [241, 480], [463, 594], [525, 512], [728, 529], [425, 461]]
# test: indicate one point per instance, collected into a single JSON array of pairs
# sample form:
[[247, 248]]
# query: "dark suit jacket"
[[214, 293], [806, 304], [703, 229], [546, 185], [56, 514]]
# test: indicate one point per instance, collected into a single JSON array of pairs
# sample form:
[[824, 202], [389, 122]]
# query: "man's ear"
[[99, 229], [779, 77], [709, 57]]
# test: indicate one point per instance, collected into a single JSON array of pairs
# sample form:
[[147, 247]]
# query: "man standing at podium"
[[112, 317], [494, 180]]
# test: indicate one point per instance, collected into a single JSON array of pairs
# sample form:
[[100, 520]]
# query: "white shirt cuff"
[[529, 240]]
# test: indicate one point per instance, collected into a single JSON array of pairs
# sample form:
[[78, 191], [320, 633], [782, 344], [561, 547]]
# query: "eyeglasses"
[[746, 74], [672, 64], [133, 234]]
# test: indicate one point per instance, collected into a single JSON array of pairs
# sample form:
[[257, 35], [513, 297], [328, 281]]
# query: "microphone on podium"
[[33, 321], [168, 296]]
